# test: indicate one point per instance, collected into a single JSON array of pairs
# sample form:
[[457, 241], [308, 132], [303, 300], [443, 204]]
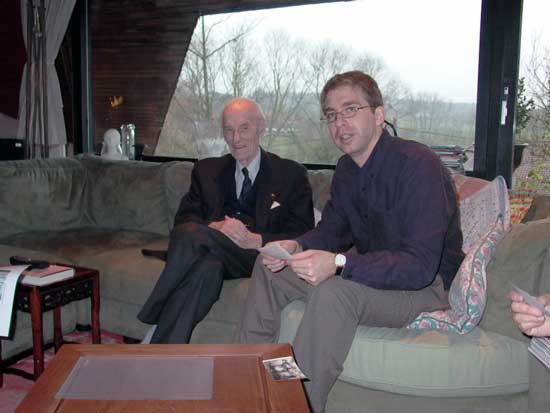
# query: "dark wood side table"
[[38, 299]]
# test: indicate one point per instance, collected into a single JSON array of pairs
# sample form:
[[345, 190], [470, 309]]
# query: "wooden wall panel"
[[138, 48]]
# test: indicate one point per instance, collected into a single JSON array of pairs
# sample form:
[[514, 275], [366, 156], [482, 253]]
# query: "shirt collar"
[[253, 167], [375, 161]]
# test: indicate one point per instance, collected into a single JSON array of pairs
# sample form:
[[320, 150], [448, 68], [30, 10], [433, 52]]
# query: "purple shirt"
[[400, 213]]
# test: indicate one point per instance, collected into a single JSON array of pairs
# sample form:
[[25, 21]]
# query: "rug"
[[15, 388]]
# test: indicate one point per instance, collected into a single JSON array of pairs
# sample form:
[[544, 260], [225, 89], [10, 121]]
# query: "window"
[[533, 102], [426, 67]]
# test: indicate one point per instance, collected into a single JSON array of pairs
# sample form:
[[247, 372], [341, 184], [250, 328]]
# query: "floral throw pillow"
[[468, 293], [480, 209]]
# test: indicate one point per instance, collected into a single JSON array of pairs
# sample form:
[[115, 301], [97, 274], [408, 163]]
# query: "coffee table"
[[240, 382], [38, 299]]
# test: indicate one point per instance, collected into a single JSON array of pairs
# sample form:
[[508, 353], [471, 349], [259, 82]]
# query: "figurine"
[[111, 148]]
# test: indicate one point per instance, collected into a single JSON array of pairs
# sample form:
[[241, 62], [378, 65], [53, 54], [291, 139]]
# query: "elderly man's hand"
[[275, 264], [529, 319], [313, 266], [238, 233]]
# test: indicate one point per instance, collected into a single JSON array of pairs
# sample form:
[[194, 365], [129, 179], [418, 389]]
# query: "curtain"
[[41, 121]]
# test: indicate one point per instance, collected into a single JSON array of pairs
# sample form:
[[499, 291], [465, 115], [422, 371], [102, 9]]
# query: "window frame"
[[498, 70]]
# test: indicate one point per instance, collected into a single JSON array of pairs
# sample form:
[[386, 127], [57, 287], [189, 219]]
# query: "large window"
[[533, 110], [423, 55]]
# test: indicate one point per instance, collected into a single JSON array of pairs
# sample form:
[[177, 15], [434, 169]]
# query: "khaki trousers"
[[333, 311]]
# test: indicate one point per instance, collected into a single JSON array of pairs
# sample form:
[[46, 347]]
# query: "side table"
[[38, 299]]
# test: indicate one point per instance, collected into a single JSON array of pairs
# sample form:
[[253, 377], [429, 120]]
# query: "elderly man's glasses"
[[346, 113]]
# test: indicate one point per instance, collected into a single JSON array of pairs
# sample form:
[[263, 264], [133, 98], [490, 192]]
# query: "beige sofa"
[[99, 213]]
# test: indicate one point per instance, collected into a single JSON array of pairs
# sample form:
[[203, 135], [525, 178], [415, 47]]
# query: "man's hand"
[[237, 232], [313, 266], [275, 264], [530, 319]]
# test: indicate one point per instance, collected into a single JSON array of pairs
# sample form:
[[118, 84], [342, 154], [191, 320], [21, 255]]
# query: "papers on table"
[[8, 282], [276, 251]]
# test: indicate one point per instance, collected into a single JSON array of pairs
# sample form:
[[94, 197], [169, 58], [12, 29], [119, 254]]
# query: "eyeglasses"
[[347, 113]]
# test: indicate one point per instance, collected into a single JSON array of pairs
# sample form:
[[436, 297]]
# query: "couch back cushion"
[[320, 181], [126, 194], [41, 194], [177, 180]]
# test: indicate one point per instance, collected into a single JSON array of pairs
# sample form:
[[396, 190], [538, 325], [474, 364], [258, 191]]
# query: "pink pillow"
[[466, 186]]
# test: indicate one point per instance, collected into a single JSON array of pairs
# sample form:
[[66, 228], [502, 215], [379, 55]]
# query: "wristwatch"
[[340, 262]]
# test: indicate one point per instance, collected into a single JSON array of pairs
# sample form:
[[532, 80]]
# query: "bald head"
[[243, 123], [245, 105]]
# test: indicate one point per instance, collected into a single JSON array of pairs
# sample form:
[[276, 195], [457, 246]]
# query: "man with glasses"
[[387, 248], [236, 203]]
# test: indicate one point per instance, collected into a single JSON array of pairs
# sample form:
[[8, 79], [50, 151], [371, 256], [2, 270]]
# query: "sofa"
[[100, 213]]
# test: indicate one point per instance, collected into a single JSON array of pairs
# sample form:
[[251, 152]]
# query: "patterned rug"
[[15, 388]]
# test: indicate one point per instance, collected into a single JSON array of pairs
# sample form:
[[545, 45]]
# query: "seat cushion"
[[428, 363]]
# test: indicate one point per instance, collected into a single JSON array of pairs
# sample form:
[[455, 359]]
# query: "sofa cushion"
[[177, 181], [540, 208], [126, 194], [221, 321], [468, 293], [320, 181], [44, 195], [126, 275], [428, 363], [76, 244]]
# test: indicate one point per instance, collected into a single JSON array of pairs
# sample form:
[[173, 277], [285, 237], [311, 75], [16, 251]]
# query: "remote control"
[[34, 264]]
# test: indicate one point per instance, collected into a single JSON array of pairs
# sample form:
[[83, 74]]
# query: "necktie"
[[247, 186]]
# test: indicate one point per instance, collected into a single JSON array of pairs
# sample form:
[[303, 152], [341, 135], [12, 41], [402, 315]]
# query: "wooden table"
[[38, 299], [240, 382]]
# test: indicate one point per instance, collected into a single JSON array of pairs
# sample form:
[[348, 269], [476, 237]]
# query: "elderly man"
[[394, 202], [236, 203]]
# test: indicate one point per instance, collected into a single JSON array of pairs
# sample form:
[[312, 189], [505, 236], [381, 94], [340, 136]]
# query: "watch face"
[[340, 260]]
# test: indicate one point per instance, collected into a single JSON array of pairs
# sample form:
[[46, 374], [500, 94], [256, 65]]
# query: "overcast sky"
[[432, 45]]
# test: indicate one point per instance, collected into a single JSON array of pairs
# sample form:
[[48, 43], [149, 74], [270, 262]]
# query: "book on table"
[[51, 274]]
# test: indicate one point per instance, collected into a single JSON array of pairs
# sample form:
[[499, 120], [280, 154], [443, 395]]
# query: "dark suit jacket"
[[278, 180]]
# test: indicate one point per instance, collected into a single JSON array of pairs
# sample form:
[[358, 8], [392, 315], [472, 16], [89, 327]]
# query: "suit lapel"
[[264, 197], [225, 183]]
